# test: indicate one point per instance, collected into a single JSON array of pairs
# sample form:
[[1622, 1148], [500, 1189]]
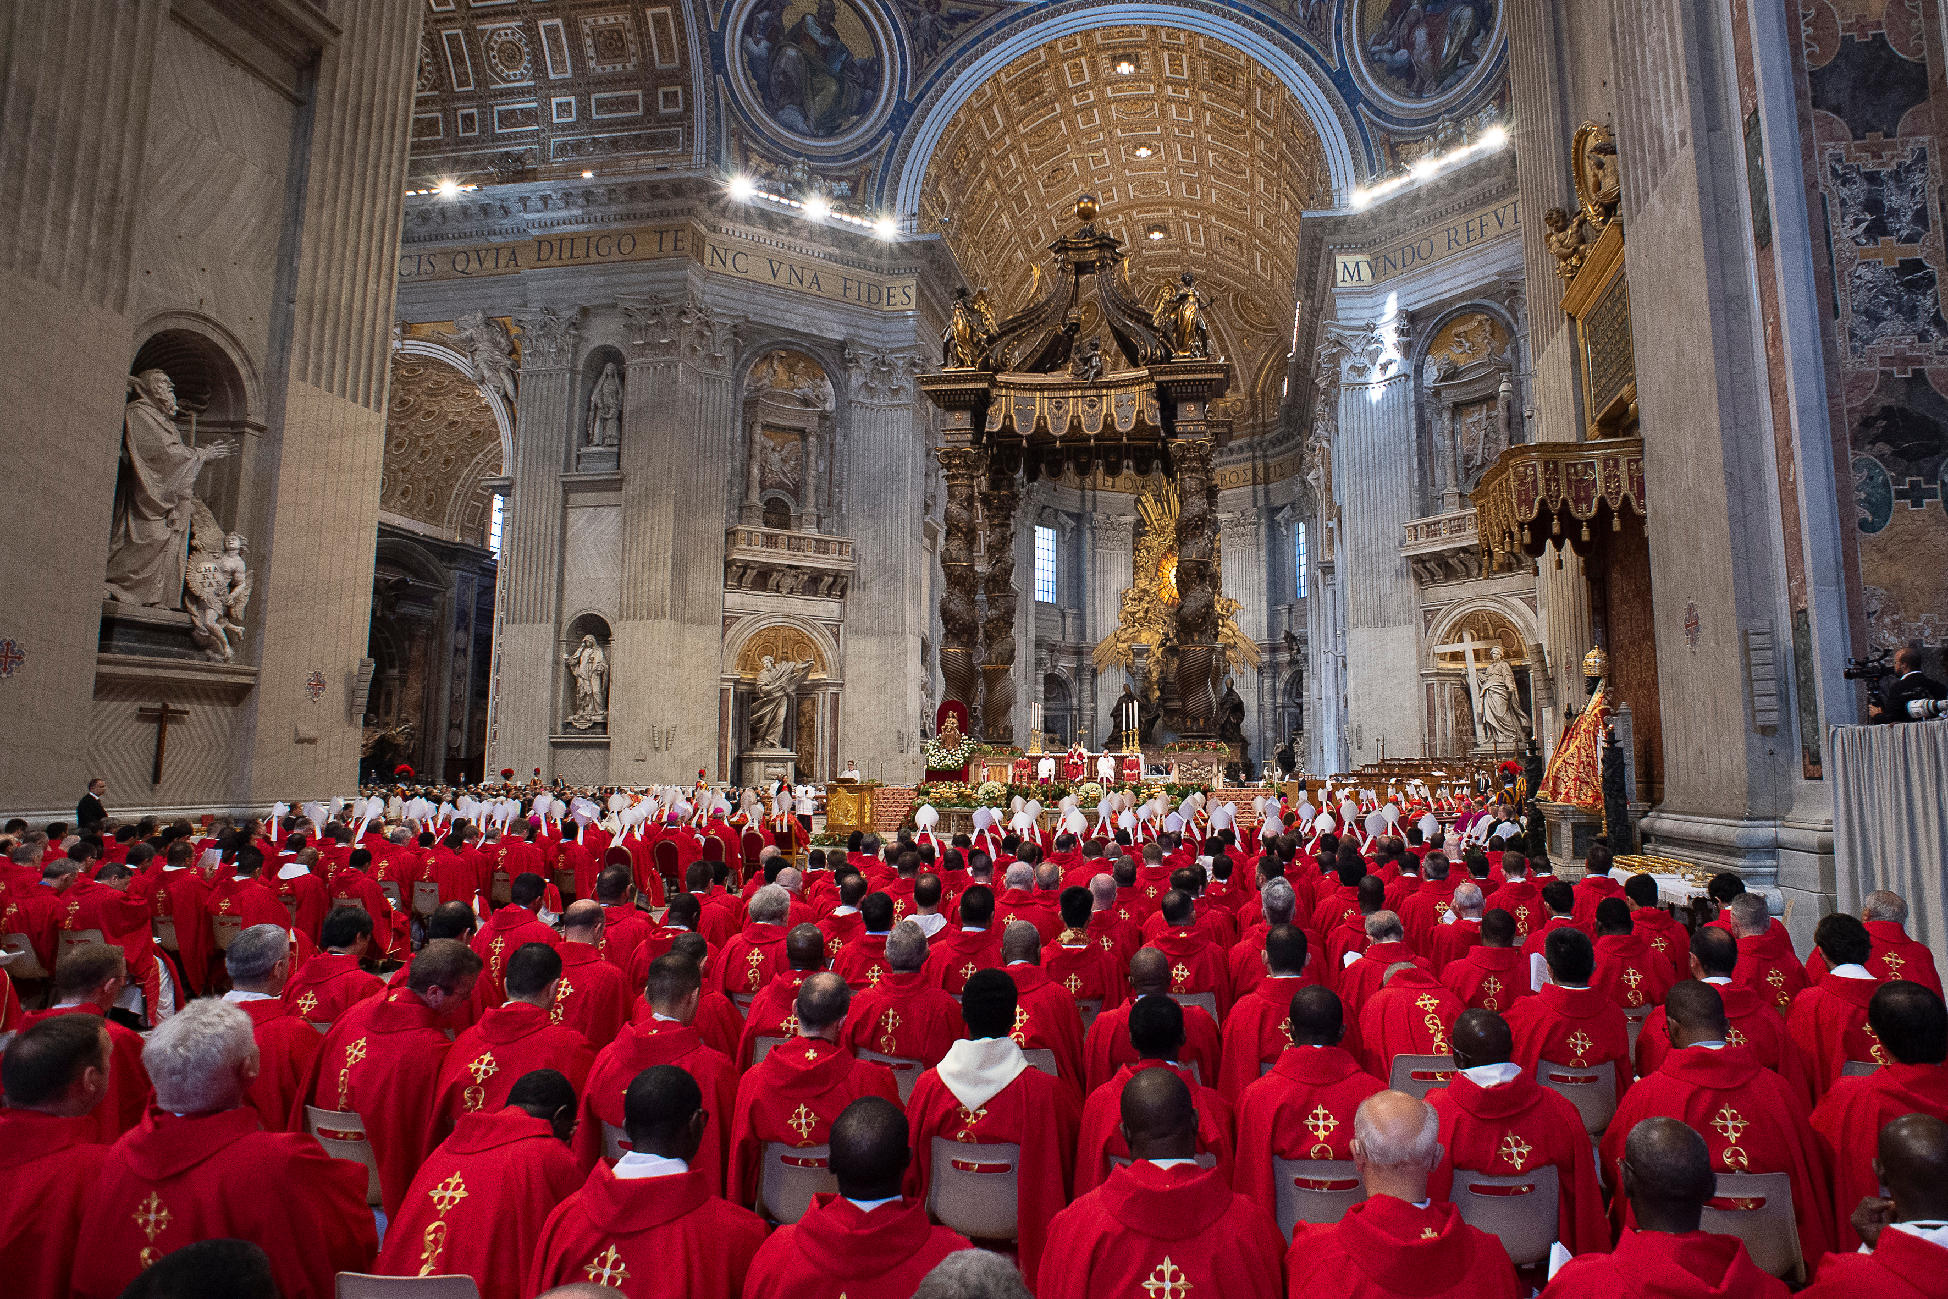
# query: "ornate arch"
[[744, 635], [246, 388], [1449, 624], [503, 417]]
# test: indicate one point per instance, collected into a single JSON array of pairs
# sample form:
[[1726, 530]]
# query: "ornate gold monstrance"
[[1148, 615]]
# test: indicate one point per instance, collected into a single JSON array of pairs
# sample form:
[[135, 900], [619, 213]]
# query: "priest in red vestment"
[[1634, 975], [1399, 1241], [87, 981], [1766, 961], [53, 1075], [1497, 1121], [507, 929], [477, 1205], [664, 1036], [1752, 1121], [1492, 974], [1197, 965], [1082, 964], [751, 957], [512, 1040], [867, 1241], [1156, 1030], [960, 951], [1107, 1047], [1449, 942], [1667, 1181], [1519, 895], [258, 962], [1894, 955], [1664, 932], [1412, 1015], [199, 1167], [1911, 1026], [774, 1012], [1749, 1018], [792, 1096], [1278, 903], [1046, 1018], [383, 1057], [1828, 1023], [903, 1015], [1568, 1021], [1162, 1225], [333, 981], [1303, 1108], [593, 995], [1907, 1232], [651, 1226], [1258, 1030], [986, 1092], [1386, 946]]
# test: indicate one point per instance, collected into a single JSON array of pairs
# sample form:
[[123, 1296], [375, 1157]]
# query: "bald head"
[[1694, 1013], [1468, 900], [1102, 891], [822, 1002], [582, 921], [1159, 1121], [1149, 972], [869, 1149], [1913, 1164], [1481, 1037], [1396, 1144], [1667, 1175], [805, 947]]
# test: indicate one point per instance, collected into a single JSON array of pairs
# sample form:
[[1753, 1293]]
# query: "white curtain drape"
[[1890, 821]]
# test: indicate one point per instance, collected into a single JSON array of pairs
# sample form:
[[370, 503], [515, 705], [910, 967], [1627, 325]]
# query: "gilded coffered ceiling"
[[1201, 158], [441, 443]]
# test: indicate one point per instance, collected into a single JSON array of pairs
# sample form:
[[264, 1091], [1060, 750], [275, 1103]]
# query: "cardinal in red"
[[1667, 1181], [507, 929], [1906, 1232], [1047, 1018], [1766, 961], [792, 1096], [664, 1036], [904, 1015], [1258, 1031], [866, 1241], [1492, 974], [1751, 1120], [258, 962], [1497, 1121], [1828, 1024], [512, 1040], [774, 1013], [54, 1075], [1303, 1109], [1750, 1020], [651, 1226], [199, 1167], [1399, 1241], [477, 1205], [383, 1057], [244, 898], [1412, 1015], [1156, 1029], [1107, 1047], [1568, 1021], [985, 1092], [1912, 1028], [1895, 955], [593, 996], [1162, 1225], [332, 982]]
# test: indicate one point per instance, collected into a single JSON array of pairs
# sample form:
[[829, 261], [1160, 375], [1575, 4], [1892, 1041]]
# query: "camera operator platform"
[[1911, 696]]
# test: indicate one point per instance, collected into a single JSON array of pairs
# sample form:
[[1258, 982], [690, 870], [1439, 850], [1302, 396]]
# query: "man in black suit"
[[89, 812], [1911, 696]]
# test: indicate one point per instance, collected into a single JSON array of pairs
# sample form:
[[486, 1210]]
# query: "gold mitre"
[[1596, 663]]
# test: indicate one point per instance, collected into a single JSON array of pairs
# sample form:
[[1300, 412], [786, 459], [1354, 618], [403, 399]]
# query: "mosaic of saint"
[[1420, 49], [813, 63]]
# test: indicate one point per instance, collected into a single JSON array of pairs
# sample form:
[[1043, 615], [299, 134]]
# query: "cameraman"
[[1911, 696]]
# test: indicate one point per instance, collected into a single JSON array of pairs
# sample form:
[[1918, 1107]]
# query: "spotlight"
[[817, 208], [1144, 151], [742, 188], [1494, 137], [1156, 232], [588, 175], [886, 227], [1125, 67], [449, 189]]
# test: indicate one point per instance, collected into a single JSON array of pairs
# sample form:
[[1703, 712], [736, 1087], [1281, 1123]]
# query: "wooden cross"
[[161, 714], [1467, 646]]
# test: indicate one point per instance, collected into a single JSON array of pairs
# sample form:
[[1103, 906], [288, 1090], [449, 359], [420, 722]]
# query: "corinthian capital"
[[881, 376], [548, 337], [710, 339], [654, 325]]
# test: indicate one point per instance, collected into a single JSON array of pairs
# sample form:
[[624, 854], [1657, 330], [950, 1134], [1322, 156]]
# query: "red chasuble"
[[489, 1058], [128, 1082], [180, 898], [1108, 1048], [326, 986], [1175, 1232], [792, 1097], [863, 962], [1360, 980], [1767, 965], [1034, 1112], [1302, 1109], [1450, 942], [840, 1251], [1386, 1248], [1658, 1265], [499, 939], [593, 997], [642, 1044], [1256, 1032], [1895, 956], [1086, 968], [382, 1061], [904, 1016], [1101, 1138], [287, 1047], [47, 1171], [1522, 899], [1828, 1027], [773, 1013], [1488, 978], [174, 1181], [1750, 1118], [1046, 1019], [1412, 1015], [1631, 971], [1902, 1266], [956, 955], [1752, 1022], [749, 959], [1667, 937], [1849, 1120], [1196, 964], [1578, 1027], [647, 1237], [478, 1203], [1518, 1127]]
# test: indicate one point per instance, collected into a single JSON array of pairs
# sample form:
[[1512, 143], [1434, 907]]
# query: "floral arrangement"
[[943, 759], [996, 752], [992, 793], [1090, 792], [1198, 746]]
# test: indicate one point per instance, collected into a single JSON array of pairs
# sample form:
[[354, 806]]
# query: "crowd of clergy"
[[1173, 1069]]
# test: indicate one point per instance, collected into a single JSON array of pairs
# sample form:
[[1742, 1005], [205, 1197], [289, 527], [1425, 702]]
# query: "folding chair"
[[342, 1134], [225, 930], [1314, 1191], [1633, 1022], [906, 1071], [26, 965], [1522, 1210], [69, 939], [1757, 1208], [1088, 1008], [1042, 1058], [1418, 1075], [500, 888], [363, 1285], [1857, 1068], [615, 1142], [762, 1044], [1592, 1091], [790, 1176], [165, 931], [1205, 1001], [975, 1188], [426, 897]]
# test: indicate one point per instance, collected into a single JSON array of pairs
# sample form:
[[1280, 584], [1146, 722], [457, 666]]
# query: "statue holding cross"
[[1500, 722]]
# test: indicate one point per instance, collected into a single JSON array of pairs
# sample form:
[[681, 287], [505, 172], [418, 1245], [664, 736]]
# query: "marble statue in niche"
[[1503, 722], [605, 409], [777, 683], [216, 586], [588, 664], [156, 497]]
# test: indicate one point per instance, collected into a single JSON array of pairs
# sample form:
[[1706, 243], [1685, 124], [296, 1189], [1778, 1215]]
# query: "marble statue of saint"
[[153, 501], [486, 343], [605, 410], [777, 683], [590, 668], [1502, 718]]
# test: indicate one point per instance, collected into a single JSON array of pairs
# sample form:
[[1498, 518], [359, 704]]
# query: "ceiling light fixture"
[[1156, 231], [588, 175], [1125, 67], [886, 227], [449, 189], [742, 188], [1144, 151], [817, 208]]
